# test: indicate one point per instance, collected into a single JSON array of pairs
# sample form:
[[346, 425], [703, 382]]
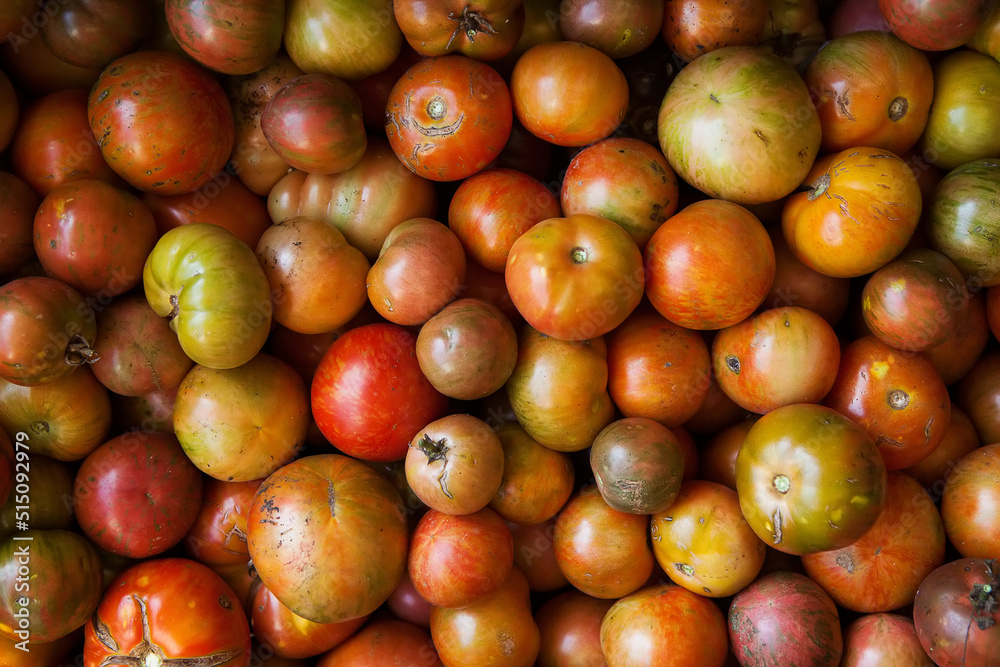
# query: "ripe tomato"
[[385, 642], [18, 204], [693, 27], [218, 536], [709, 266], [934, 25], [228, 37], [883, 640], [448, 117], [882, 570], [535, 555], [537, 481], [618, 29], [369, 396], [809, 479], [570, 628], [575, 278], [484, 31], [969, 503], [979, 395], [167, 608], [290, 635], [92, 33]]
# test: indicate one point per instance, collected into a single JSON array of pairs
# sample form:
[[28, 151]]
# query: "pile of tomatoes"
[[555, 332]]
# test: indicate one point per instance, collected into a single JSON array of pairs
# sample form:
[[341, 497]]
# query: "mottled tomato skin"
[[309, 531], [536, 482], [485, 31], [618, 29], [163, 122], [883, 569], [804, 629], [94, 237], [173, 607], [933, 25], [46, 330], [229, 36], [218, 536], [378, 364], [693, 27], [969, 503], [137, 495], [883, 640], [92, 33], [664, 625]]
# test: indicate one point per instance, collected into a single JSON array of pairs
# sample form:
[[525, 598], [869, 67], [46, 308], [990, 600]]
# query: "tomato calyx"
[[79, 352], [986, 598], [471, 23], [819, 189], [437, 450], [148, 654]]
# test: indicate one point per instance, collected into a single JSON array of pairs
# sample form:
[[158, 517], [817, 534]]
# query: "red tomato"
[[290, 635], [230, 37], [970, 501], [537, 481], [883, 640], [218, 536], [484, 31], [570, 628], [369, 396], [18, 204], [934, 25], [694, 27], [384, 643], [618, 29]]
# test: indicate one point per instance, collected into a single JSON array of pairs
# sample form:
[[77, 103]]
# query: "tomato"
[[49, 502], [899, 399], [407, 605], [709, 266], [873, 90], [934, 469], [664, 625], [964, 221], [694, 27], [602, 551], [718, 453], [568, 93], [966, 99], [162, 122], [795, 284], [9, 112], [794, 30], [958, 354], [784, 355], [703, 542], [957, 612], [638, 465], [535, 556], [210, 286], [253, 160], [92, 33], [137, 495], [978, 394], [803, 629], [570, 628], [291, 636], [229, 37], [624, 180], [349, 39], [618, 29], [149, 412], [882, 570], [497, 630], [558, 390], [317, 278], [308, 532], [883, 640], [60, 565], [769, 123], [575, 278], [537, 481], [313, 123], [364, 202], [468, 349], [854, 16], [859, 212], [420, 269], [933, 25], [218, 536], [259, 414], [987, 37], [809, 479], [384, 643], [167, 608], [94, 237], [369, 396], [492, 208], [454, 464], [969, 504], [485, 31], [50, 653], [54, 143], [18, 204], [31, 64]]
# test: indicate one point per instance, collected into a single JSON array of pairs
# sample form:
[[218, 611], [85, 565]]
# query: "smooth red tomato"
[[290, 635], [978, 394], [485, 31], [570, 628], [883, 640], [218, 536], [377, 364], [694, 27], [384, 642], [970, 505], [934, 25], [618, 29], [92, 33]]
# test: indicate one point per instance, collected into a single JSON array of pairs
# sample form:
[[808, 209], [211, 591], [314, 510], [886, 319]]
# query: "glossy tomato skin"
[[211, 287], [933, 25], [575, 278], [228, 37], [957, 613], [162, 122], [170, 607], [694, 27], [486, 31], [619, 30], [665, 625], [376, 362], [448, 117], [968, 505], [882, 570], [385, 642], [859, 212], [795, 494], [291, 636], [978, 394], [218, 536], [92, 33], [874, 90], [570, 629], [537, 481], [694, 277], [770, 121], [804, 629], [65, 567], [784, 355], [308, 531], [568, 93], [46, 330], [883, 640], [898, 398], [94, 237]]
